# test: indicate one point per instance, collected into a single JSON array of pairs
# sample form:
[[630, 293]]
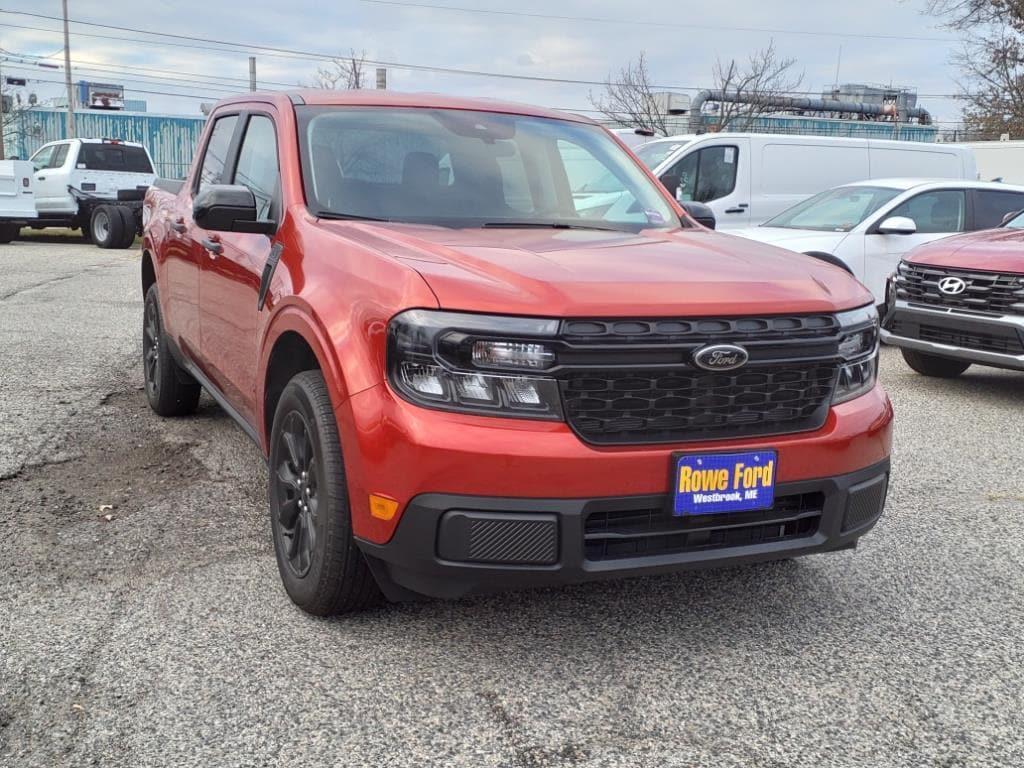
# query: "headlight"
[[474, 363], [858, 345]]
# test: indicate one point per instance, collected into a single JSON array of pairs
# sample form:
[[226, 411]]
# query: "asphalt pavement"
[[142, 622]]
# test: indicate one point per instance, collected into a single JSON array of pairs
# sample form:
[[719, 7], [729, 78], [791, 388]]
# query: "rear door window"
[[991, 206], [114, 157]]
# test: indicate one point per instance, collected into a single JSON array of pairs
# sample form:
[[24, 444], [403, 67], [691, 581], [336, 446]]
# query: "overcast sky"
[[679, 55]]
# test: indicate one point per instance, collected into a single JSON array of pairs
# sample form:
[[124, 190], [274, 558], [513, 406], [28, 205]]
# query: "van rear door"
[[789, 170], [922, 161]]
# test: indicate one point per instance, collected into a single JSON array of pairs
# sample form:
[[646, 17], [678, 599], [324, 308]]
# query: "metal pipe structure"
[[806, 104]]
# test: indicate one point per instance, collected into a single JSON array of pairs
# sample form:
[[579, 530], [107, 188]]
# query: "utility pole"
[[67, 74], [252, 73]]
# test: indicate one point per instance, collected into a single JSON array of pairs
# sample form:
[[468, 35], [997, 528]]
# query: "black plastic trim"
[[410, 565]]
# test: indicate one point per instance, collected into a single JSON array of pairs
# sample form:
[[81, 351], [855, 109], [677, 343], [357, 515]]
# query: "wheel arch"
[[829, 259], [148, 271], [295, 342]]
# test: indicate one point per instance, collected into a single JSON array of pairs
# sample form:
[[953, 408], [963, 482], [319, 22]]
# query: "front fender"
[[297, 317]]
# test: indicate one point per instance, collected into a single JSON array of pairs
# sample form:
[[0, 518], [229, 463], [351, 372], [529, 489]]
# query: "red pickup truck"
[[468, 373], [960, 301]]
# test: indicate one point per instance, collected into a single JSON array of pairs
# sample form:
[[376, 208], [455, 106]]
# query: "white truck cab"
[[76, 178]]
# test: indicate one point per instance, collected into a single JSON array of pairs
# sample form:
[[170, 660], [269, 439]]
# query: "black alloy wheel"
[[298, 478]]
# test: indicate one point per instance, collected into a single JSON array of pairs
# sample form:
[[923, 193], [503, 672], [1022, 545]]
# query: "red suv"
[[482, 348], [960, 301]]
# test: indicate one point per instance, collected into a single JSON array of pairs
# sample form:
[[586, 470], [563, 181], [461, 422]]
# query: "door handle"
[[213, 246], [738, 209], [40, 178]]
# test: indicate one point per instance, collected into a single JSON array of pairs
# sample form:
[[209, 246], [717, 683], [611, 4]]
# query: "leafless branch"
[[764, 76], [342, 73], [629, 100]]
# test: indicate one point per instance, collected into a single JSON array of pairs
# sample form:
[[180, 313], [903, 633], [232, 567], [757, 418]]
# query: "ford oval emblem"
[[720, 357]]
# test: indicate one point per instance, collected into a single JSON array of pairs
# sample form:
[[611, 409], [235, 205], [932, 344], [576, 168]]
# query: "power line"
[[660, 24], [309, 55]]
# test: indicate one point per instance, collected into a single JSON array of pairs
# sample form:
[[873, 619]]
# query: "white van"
[[747, 178]]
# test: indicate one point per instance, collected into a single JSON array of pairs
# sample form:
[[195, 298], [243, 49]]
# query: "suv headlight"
[[485, 364], [858, 346]]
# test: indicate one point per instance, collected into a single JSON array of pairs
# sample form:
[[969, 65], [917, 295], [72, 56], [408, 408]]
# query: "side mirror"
[[1010, 217], [228, 208], [700, 213], [897, 225]]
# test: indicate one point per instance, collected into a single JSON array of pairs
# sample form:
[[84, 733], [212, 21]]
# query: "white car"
[[868, 226]]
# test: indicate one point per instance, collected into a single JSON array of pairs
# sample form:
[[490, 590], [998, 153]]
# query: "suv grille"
[[619, 534], [633, 381], [1004, 341], [988, 293], [613, 407]]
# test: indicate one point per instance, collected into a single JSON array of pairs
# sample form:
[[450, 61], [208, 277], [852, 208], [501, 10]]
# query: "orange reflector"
[[382, 507]]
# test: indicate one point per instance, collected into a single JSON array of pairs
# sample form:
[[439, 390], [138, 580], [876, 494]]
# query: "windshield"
[[837, 210], [653, 153], [460, 168]]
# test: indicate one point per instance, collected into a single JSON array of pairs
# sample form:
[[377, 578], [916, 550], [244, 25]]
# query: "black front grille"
[[1004, 341], [989, 293], [700, 330], [688, 404], [620, 534]]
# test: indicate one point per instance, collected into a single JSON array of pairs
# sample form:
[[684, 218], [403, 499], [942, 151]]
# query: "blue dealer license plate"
[[713, 483]]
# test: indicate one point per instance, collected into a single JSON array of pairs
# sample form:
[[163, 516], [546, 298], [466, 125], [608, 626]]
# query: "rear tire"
[[933, 365], [106, 226], [9, 233], [129, 228], [170, 389], [323, 571]]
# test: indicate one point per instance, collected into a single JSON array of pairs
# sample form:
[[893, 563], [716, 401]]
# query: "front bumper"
[[451, 546], [996, 341]]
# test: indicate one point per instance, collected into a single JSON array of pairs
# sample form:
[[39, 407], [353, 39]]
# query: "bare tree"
[[754, 84], [629, 99], [991, 62], [342, 73], [14, 120]]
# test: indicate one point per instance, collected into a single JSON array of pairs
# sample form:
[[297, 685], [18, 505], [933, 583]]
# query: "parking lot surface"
[[162, 637]]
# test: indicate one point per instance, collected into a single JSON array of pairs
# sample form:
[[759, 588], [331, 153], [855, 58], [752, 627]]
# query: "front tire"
[[323, 571], [170, 389], [933, 365]]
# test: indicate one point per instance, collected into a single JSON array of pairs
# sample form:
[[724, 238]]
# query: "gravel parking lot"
[[162, 636]]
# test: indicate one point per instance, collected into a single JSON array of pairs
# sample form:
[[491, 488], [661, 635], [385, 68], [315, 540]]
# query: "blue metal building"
[[171, 139]]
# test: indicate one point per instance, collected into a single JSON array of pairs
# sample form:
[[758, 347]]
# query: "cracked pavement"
[[163, 638]]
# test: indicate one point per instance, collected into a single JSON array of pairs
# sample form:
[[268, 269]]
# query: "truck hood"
[[991, 250], [799, 240], [565, 273]]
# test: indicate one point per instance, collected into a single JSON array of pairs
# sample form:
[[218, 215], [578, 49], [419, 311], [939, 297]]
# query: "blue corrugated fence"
[[171, 139]]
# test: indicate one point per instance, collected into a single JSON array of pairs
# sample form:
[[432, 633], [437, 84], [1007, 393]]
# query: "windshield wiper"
[[546, 225], [345, 216]]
